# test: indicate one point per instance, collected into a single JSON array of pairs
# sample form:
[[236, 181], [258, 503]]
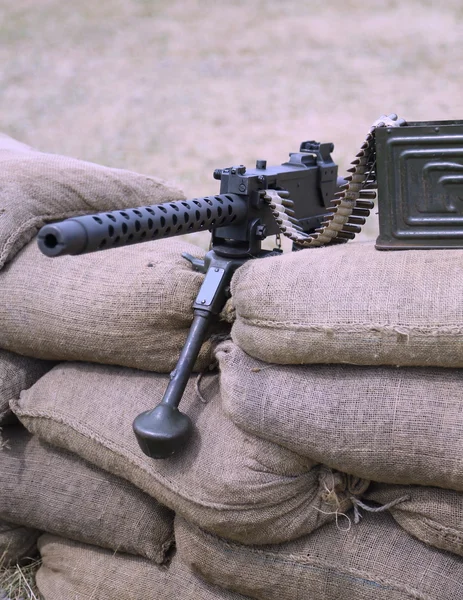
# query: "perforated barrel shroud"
[[90, 233]]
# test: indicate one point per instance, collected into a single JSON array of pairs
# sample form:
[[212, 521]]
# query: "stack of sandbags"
[[128, 307], [52, 490], [16, 374], [259, 496], [129, 310], [372, 560], [252, 509], [372, 399], [75, 571], [229, 482]]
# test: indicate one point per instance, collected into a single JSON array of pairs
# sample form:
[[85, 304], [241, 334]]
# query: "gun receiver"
[[240, 218]]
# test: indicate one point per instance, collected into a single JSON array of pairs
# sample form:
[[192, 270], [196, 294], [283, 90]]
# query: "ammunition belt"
[[350, 206]]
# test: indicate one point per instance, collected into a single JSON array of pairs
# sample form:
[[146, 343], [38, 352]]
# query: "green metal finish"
[[420, 186]]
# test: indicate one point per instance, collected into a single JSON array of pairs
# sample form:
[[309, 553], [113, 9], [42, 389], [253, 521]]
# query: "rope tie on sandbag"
[[331, 496], [358, 504], [199, 379], [337, 513], [352, 483], [197, 384]]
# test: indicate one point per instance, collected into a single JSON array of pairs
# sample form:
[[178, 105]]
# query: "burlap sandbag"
[[36, 188], [17, 373], [372, 560], [55, 491], [16, 543], [396, 425], [226, 481], [73, 571], [8, 143], [352, 304], [432, 515], [129, 306]]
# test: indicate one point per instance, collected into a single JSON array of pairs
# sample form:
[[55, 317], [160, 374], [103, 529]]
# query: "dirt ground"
[[180, 88]]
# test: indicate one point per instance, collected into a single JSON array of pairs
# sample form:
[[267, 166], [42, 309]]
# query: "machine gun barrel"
[[102, 231]]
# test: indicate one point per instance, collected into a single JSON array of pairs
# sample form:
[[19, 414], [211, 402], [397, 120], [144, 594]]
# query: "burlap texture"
[[226, 481], [17, 373], [432, 515], [16, 543], [36, 188], [55, 491], [352, 304], [73, 571], [395, 425], [129, 306], [374, 560]]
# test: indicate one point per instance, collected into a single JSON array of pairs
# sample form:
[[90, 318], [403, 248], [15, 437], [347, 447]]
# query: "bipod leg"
[[164, 430]]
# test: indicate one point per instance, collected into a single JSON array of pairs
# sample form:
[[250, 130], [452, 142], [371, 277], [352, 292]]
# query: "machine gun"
[[302, 199], [240, 218]]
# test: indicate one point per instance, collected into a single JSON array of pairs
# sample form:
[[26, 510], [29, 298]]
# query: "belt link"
[[351, 198]]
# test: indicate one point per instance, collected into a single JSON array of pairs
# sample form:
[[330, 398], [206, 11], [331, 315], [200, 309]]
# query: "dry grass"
[[179, 88], [18, 582]]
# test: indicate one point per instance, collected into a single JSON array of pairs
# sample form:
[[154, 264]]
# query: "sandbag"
[[17, 373], [395, 425], [372, 560], [129, 306], [352, 304], [8, 143], [432, 515], [16, 543], [226, 481], [55, 491], [36, 188], [74, 571]]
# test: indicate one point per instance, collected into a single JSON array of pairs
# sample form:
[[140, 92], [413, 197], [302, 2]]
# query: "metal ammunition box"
[[420, 185]]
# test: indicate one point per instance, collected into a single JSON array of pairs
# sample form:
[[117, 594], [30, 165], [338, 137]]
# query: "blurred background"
[[179, 88]]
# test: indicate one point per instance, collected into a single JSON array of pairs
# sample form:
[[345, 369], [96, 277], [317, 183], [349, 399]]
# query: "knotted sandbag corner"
[[225, 480], [36, 188], [352, 304]]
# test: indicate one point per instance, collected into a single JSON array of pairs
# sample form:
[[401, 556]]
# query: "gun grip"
[[163, 431]]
